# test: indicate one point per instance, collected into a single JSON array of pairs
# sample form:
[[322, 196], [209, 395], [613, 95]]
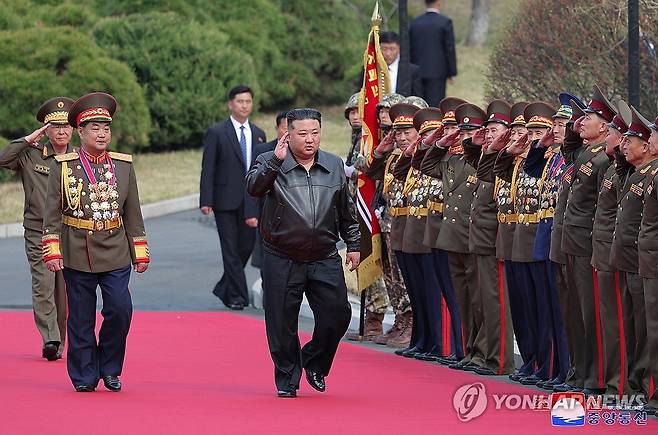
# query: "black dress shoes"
[[450, 359], [84, 388], [50, 351], [485, 371], [427, 356], [112, 383], [289, 393], [594, 391], [531, 380], [236, 306], [315, 380], [564, 388]]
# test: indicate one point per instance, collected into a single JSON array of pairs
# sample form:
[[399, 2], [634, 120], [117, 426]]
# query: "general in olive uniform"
[[607, 274], [93, 230], [459, 182], [589, 169], [648, 258], [435, 207], [624, 250], [32, 159], [483, 230]]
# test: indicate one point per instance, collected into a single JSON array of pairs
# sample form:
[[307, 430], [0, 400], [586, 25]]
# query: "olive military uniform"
[[33, 162], [94, 223], [589, 169]]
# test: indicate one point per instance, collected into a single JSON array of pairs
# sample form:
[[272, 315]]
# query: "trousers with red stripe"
[[581, 284]]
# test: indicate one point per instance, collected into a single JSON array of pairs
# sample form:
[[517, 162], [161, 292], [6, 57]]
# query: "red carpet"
[[210, 373]]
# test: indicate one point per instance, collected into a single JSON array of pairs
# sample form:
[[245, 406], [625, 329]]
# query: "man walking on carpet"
[[307, 209]]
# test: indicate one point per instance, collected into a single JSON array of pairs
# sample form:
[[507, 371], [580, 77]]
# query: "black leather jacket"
[[305, 213]]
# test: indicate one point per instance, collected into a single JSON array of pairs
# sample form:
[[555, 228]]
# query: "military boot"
[[402, 340], [395, 330], [372, 328]]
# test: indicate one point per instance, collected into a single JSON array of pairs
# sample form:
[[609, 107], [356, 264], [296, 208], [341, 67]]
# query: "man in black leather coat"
[[307, 210]]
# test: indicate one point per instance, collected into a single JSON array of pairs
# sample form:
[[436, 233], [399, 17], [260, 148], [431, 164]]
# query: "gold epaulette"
[[597, 149], [654, 172], [121, 156], [66, 157]]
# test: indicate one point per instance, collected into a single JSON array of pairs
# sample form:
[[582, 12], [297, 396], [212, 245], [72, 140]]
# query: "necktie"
[[243, 146]]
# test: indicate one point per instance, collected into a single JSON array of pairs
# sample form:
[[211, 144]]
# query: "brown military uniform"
[[392, 223], [459, 183], [648, 259], [48, 288], [624, 255], [587, 177], [93, 224], [94, 229]]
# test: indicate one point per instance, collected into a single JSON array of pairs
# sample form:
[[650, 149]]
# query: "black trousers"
[[284, 284], [88, 360], [442, 269], [237, 242], [434, 90]]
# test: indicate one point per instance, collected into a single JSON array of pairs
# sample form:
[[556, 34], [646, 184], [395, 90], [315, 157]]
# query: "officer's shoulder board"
[[121, 156], [66, 157], [597, 149]]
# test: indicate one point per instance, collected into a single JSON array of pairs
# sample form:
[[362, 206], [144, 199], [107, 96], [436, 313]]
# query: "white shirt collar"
[[395, 64], [237, 124], [434, 10]]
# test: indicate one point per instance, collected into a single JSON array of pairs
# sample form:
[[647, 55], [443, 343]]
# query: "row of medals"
[[103, 196], [528, 193]]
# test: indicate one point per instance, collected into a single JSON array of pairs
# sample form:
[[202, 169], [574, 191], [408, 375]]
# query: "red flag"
[[375, 86]]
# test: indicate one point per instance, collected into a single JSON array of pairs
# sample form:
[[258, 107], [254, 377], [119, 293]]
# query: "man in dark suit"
[[253, 206], [227, 156], [432, 48], [390, 46]]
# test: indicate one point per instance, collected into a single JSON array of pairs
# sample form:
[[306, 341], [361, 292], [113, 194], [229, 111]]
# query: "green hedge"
[[41, 63], [185, 74], [171, 62]]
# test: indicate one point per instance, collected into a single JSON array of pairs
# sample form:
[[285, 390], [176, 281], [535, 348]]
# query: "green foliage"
[[186, 74], [541, 54], [41, 63], [5, 174]]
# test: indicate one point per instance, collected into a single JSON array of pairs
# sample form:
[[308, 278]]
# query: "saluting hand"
[[500, 142], [518, 146], [411, 150], [434, 136], [37, 134], [281, 150], [449, 140], [547, 139], [478, 138], [578, 124], [55, 265], [387, 144]]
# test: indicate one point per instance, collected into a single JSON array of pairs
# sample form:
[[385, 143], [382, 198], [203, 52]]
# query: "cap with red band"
[[499, 111], [428, 119], [470, 117], [600, 105], [539, 115], [97, 106], [402, 115], [448, 106]]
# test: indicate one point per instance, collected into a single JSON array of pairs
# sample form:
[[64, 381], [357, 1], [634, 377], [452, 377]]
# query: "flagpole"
[[375, 85]]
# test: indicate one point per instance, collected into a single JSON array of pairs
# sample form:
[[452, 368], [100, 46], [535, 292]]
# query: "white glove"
[[349, 170]]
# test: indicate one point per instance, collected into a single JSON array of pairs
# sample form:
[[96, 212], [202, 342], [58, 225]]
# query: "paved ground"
[[186, 265]]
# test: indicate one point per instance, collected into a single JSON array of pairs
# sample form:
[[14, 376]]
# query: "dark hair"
[[280, 117], [430, 2], [389, 38], [301, 114], [240, 89]]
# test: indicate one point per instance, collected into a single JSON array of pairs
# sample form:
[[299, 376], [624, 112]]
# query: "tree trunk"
[[478, 25]]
